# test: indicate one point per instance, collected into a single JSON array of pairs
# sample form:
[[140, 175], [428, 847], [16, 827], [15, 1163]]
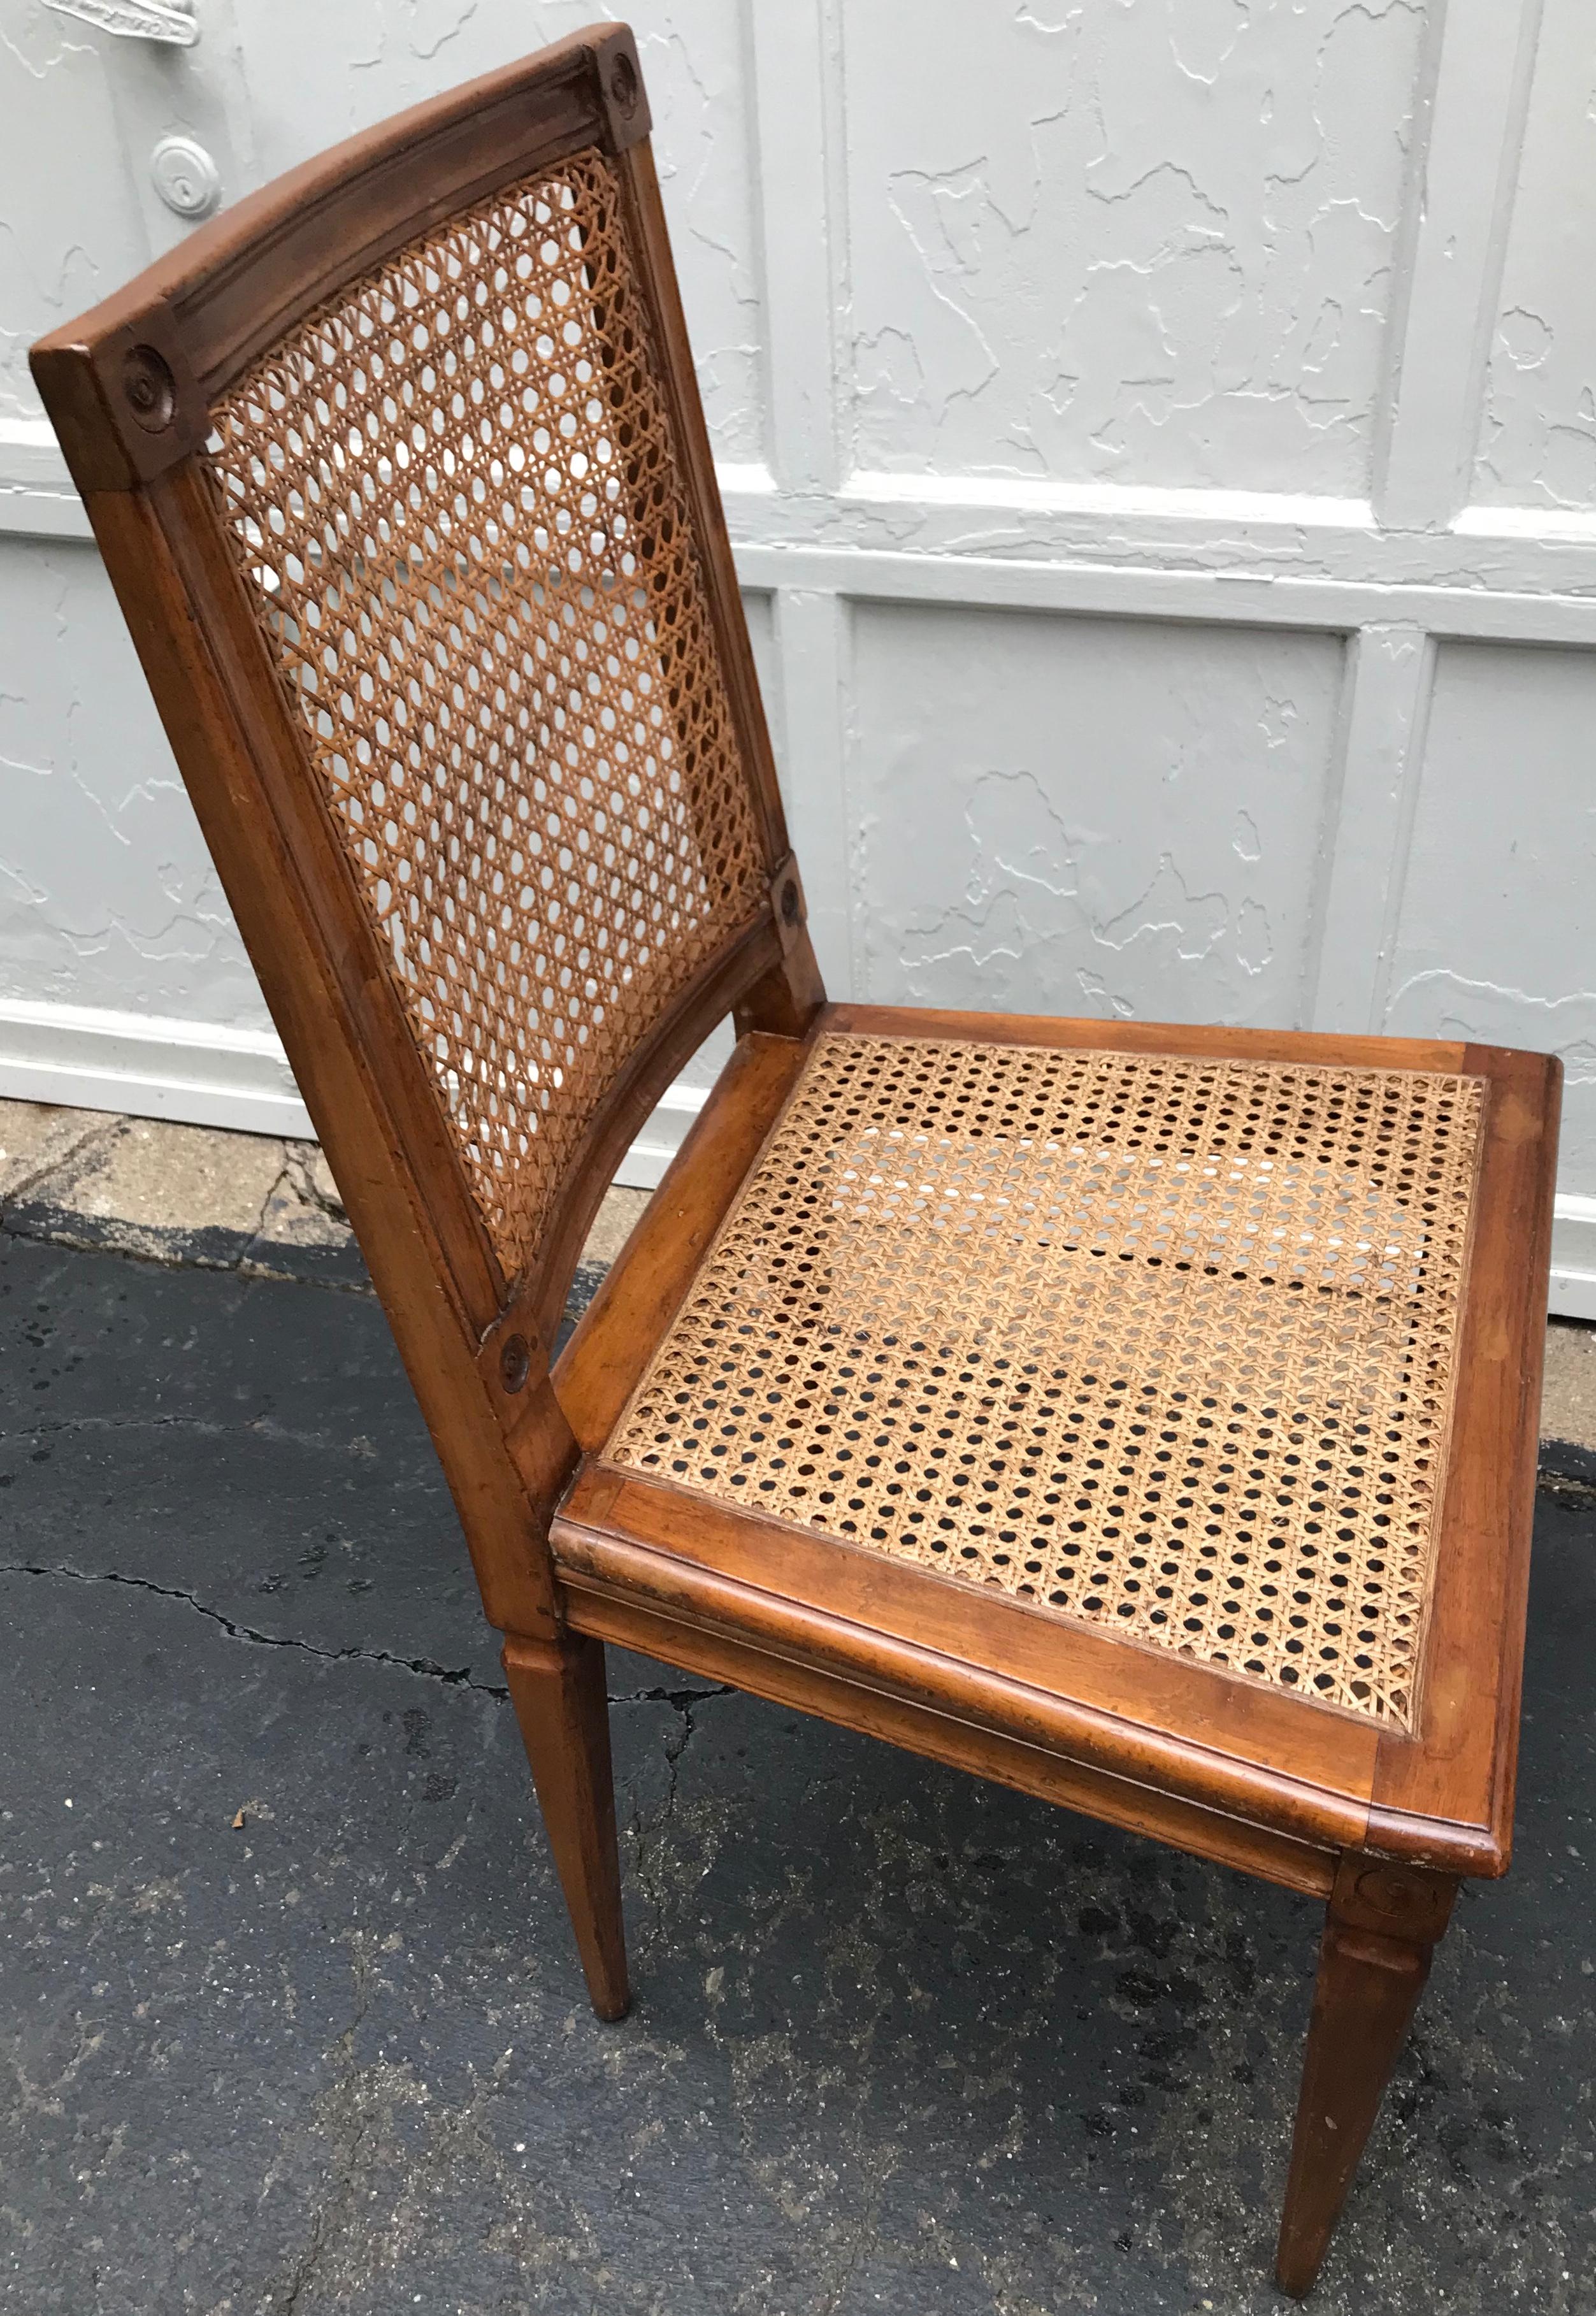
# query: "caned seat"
[[1110, 1401], [1142, 1416], [1160, 1343]]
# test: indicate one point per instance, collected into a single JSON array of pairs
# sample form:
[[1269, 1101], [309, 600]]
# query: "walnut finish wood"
[[1444, 1795], [1220, 1742], [1380, 1928], [275, 807], [569, 1552], [1151, 1038], [962, 1740], [563, 1708]]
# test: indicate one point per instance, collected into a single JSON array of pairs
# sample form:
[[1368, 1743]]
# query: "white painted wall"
[[1160, 440]]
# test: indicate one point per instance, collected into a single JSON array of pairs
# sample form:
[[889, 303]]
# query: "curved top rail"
[[129, 384]]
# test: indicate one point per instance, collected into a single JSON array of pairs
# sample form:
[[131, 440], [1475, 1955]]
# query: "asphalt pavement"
[[291, 2017]]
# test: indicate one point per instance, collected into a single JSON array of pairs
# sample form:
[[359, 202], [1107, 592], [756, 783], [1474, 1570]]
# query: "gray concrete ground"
[[291, 2019], [246, 1202], [269, 1208]]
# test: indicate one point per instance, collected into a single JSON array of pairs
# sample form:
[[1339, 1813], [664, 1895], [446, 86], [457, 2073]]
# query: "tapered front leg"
[[1380, 1928], [558, 1692]]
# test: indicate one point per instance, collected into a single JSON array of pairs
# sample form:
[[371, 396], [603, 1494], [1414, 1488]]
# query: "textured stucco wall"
[[107, 893], [1150, 244], [1537, 434], [1160, 438], [1089, 816], [1504, 846], [69, 230]]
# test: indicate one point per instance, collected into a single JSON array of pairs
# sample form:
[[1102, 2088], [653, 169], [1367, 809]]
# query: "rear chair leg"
[[557, 1690], [1380, 1928]]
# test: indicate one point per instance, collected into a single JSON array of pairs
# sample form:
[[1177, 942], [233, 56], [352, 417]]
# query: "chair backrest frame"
[[131, 387]]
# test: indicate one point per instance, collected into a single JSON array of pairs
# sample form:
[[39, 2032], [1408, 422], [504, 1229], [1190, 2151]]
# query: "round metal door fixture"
[[185, 176]]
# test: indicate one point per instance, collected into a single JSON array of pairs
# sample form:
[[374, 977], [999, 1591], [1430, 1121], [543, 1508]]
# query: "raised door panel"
[[1536, 444], [1150, 244], [1088, 817]]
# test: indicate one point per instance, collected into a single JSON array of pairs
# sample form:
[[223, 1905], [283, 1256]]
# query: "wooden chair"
[[1144, 1417]]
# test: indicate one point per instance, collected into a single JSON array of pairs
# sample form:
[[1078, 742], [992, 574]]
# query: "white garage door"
[[1161, 444]]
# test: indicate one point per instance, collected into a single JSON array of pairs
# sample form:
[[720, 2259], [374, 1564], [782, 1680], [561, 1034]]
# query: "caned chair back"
[[431, 400]]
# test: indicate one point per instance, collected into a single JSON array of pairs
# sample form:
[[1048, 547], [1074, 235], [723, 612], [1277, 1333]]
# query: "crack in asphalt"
[[646, 1832], [681, 1700], [456, 1678], [351, 2124]]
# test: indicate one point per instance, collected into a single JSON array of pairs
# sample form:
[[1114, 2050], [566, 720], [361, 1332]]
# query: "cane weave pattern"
[[1159, 1343], [457, 502]]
